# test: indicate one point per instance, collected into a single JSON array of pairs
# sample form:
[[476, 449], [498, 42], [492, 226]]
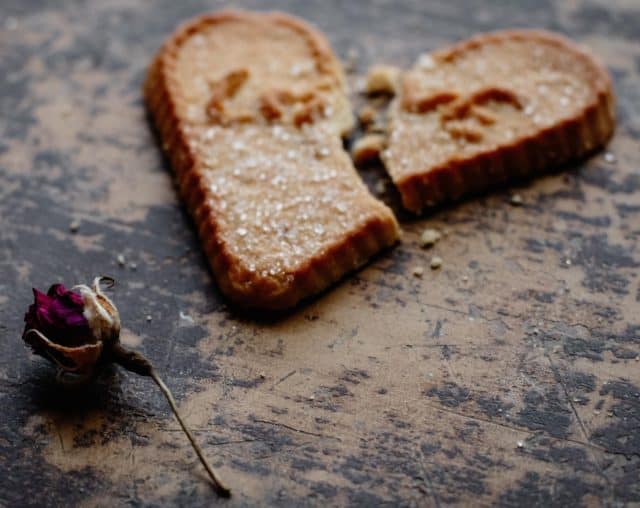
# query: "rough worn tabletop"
[[510, 376]]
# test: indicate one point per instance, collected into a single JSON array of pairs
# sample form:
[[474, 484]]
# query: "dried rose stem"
[[137, 363], [222, 490]]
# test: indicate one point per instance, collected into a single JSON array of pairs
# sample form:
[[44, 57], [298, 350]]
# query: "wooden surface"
[[508, 377]]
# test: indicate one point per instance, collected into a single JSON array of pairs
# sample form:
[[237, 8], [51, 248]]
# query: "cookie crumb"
[[74, 226], [465, 278], [377, 127], [367, 147], [120, 259], [367, 115], [148, 318], [520, 444], [516, 200], [382, 79], [436, 262], [429, 238], [417, 271]]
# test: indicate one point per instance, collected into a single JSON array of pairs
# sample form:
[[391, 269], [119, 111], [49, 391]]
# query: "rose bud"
[[78, 329], [75, 329]]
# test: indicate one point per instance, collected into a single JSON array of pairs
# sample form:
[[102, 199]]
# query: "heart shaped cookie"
[[250, 108], [493, 108]]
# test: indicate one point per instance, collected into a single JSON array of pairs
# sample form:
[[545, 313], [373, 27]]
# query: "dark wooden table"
[[508, 377]]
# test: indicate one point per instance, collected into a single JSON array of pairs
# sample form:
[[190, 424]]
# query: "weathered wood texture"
[[510, 376]]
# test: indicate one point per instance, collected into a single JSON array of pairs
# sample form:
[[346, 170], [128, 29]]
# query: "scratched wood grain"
[[509, 377]]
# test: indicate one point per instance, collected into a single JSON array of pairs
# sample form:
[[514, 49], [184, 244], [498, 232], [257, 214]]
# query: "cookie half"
[[250, 108], [494, 108]]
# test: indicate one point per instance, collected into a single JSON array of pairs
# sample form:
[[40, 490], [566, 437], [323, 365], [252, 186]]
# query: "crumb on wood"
[[382, 79], [367, 147], [417, 271], [74, 226], [120, 259], [516, 200], [429, 238], [436, 262]]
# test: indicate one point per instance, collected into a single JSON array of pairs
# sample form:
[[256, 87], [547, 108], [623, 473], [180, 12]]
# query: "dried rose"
[[75, 329], [78, 329]]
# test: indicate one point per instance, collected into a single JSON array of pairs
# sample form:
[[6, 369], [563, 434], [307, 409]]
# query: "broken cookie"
[[250, 108], [496, 107]]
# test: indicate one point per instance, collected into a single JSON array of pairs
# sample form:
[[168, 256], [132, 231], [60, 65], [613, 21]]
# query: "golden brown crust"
[[551, 145], [245, 286]]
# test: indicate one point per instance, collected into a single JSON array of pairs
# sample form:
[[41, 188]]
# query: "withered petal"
[[76, 359], [59, 316]]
